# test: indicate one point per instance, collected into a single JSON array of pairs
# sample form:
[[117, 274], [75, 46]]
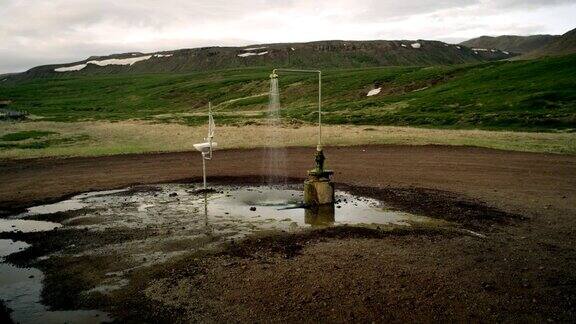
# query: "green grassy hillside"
[[521, 95]]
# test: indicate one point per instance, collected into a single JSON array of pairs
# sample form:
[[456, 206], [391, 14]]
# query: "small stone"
[[173, 194], [252, 208]]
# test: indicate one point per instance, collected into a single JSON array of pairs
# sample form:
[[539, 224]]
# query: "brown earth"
[[522, 271]]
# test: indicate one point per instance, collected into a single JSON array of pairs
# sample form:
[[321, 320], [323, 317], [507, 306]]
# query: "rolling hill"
[[323, 54], [510, 43], [537, 95]]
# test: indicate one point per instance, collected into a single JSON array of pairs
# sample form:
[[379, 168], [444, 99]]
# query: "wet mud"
[[440, 204], [5, 313], [110, 239]]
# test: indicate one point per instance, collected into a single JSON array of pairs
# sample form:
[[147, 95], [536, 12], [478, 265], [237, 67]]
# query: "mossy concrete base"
[[318, 192], [318, 189]]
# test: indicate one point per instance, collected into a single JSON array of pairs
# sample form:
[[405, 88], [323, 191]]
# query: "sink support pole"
[[204, 170]]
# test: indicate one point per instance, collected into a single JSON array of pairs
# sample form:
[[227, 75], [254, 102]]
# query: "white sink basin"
[[204, 147]]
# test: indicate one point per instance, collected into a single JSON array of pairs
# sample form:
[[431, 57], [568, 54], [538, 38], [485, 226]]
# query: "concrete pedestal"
[[318, 191]]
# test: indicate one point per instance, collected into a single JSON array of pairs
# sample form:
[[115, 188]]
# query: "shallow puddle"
[[20, 288], [26, 226], [282, 209], [8, 247], [241, 209], [74, 203]]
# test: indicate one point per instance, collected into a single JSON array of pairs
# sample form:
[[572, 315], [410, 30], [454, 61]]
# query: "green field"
[[518, 105], [538, 95]]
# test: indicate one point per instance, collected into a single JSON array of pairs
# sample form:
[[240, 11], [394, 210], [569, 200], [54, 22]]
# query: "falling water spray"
[[275, 154]]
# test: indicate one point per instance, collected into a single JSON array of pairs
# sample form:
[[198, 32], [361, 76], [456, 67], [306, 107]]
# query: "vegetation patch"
[[43, 144], [24, 135]]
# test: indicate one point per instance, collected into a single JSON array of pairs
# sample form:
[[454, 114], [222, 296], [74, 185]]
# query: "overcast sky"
[[36, 32]]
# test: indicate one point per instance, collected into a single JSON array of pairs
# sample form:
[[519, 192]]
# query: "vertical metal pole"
[[319, 110], [204, 170], [209, 134]]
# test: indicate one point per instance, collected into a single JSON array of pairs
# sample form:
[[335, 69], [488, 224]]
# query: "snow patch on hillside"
[[252, 54], [250, 49], [113, 61], [70, 68], [373, 92], [122, 61], [416, 45]]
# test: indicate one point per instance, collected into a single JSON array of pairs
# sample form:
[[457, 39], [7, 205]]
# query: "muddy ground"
[[525, 205]]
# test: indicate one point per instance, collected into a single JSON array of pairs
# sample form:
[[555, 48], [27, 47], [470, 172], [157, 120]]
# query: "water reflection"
[[320, 215], [209, 231], [21, 290]]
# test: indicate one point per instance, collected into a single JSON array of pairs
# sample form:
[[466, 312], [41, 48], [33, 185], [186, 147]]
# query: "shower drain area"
[[145, 225], [226, 212], [120, 231]]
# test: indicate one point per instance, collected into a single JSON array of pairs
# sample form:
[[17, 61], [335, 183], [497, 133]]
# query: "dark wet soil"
[[522, 271], [69, 240], [5, 313], [440, 204]]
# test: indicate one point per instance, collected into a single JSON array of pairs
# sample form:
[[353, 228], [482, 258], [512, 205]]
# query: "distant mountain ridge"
[[511, 43], [563, 45], [320, 54]]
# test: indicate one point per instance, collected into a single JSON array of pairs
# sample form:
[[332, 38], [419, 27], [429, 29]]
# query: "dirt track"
[[522, 271]]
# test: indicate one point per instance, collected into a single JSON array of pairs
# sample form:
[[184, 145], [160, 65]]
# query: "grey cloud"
[[47, 16], [523, 4], [398, 9], [34, 32]]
